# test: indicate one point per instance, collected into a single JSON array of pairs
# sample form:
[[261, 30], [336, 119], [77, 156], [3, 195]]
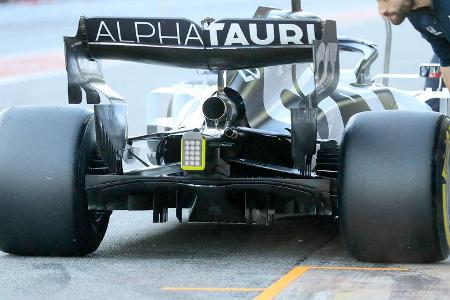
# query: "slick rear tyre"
[[44, 155], [393, 192]]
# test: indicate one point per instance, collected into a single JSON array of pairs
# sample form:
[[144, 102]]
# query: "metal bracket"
[[304, 137], [370, 54], [160, 210]]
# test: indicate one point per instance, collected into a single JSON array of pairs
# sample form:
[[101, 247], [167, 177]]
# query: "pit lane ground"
[[294, 259]]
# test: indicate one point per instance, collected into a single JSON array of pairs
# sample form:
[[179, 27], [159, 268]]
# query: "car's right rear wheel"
[[393, 192]]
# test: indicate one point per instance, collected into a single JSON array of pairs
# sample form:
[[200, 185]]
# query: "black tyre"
[[44, 155], [393, 203]]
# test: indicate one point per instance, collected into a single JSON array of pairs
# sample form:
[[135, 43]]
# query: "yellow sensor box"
[[193, 152]]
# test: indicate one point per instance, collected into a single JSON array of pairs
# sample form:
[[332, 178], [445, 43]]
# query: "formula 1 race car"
[[286, 133]]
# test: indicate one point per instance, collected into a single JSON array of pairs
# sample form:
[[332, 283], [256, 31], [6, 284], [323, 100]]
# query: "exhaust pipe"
[[220, 110], [231, 133]]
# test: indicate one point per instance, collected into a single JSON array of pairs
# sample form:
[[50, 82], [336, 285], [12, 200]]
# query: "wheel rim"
[[98, 167]]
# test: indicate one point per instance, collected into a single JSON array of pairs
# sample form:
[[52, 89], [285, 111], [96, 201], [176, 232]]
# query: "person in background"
[[431, 18]]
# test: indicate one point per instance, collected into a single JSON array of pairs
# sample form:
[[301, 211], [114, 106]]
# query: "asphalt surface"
[[141, 260], [138, 259]]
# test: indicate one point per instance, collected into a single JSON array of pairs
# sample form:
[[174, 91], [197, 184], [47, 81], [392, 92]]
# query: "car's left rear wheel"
[[393, 187], [45, 153]]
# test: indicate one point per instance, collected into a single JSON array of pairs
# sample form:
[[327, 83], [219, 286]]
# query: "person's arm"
[[441, 49], [446, 76]]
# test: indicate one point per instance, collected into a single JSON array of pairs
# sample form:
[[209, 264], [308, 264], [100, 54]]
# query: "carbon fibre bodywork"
[[259, 166]]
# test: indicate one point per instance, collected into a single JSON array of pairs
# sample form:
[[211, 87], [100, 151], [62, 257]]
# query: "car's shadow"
[[296, 237]]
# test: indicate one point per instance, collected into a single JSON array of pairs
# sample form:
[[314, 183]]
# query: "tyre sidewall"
[[442, 188], [87, 233]]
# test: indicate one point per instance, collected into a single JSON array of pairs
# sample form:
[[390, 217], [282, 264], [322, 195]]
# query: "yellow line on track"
[[276, 288], [205, 289], [357, 268]]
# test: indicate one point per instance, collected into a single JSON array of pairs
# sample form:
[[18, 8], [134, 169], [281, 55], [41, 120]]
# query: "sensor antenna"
[[296, 5]]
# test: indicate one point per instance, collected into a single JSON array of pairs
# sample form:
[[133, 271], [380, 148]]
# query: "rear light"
[[193, 151]]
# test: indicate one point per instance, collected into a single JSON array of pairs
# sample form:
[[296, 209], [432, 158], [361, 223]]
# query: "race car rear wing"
[[224, 44], [228, 44]]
